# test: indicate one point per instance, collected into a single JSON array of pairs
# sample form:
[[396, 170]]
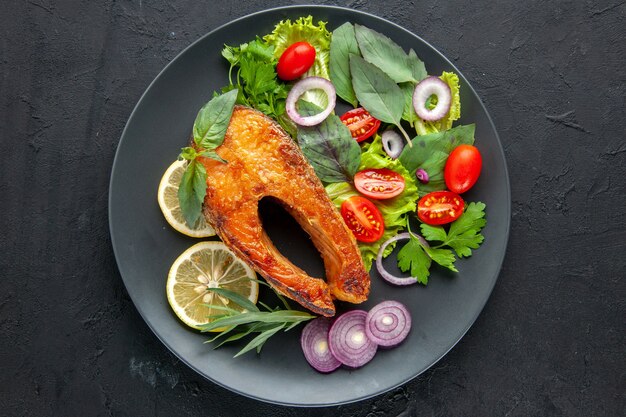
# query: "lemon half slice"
[[202, 266], [168, 201]]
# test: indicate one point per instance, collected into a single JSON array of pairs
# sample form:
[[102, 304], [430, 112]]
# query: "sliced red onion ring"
[[348, 342], [379, 261], [426, 88], [392, 143], [388, 323], [314, 342], [422, 176], [301, 87]]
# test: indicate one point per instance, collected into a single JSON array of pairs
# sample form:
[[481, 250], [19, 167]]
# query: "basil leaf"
[[191, 192], [431, 151], [377, 93], [329, 146], [408, 113], [342, 45], [212, 155], [212, 120], [188, 153], [387, 55], [417, 66]]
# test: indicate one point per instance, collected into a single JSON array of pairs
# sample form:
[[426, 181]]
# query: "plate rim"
[[312, 9]]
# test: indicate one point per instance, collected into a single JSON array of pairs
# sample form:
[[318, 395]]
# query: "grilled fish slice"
[[263, 161]]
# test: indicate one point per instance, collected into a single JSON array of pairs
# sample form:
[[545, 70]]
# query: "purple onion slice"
[[301, 87], [392, 279], [348, 342], [392, 143], [432, 86], [422, 176], [388, 323], [314, 342]]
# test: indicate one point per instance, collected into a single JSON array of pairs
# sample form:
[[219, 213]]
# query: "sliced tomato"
[[363, 218], [379, 183], [361, 124], [295, 61], [462, 168], [440, 207]]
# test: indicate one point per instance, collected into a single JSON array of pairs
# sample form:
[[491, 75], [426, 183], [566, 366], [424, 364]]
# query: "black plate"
[[145, 246]]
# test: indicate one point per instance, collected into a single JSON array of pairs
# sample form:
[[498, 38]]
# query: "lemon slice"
[[202, 266], [168, 201]]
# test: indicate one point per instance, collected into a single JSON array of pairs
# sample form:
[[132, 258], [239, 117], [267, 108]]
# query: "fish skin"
[[264, 162]]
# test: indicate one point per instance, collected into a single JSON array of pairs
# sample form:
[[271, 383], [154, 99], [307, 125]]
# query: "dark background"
[[550, 341]]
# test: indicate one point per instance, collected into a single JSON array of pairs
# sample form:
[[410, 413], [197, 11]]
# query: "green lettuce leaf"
[[423, 127], [287, 33], [394, 210]]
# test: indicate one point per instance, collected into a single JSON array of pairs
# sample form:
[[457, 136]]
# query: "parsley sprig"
[[464, 235], [237, 325]]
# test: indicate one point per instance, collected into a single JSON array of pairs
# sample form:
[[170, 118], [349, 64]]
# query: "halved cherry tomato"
[[379, 183], [440, 207], [361, 124], [295, 61], [462, 168], [363, 218]]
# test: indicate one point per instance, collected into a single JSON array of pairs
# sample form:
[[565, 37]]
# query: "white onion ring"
[[301, 87], [392, 279], [393, 143], [426, 88]]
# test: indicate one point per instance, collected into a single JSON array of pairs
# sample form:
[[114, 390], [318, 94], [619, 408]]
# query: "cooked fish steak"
[[263, 161]]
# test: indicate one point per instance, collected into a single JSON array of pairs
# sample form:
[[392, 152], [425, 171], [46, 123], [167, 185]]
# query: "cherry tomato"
[[295, 61], [379, 184], [361, 124], [440, 207], [363, 218], [462, 168]]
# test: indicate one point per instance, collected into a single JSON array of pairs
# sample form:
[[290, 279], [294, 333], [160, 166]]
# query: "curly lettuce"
[[394, 210], [286, 33], [424, 128]]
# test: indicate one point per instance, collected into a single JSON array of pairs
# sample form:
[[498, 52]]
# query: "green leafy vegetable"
[[394, 210], [423, 127], [464, 234], [329, 146], [342, 45], [209, 129], [191, 191], [387, 55], [431, 151], [238, 325], [418, 257], [212, 121], [377, 93], [286, 33]]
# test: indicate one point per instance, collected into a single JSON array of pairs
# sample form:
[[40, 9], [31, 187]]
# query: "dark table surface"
[[551, 341]]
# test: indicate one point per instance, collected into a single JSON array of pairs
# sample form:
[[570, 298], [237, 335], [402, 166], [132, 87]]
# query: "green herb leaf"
[[376, 92], [187, 153], [329, 147], [387, 55], [443, 257], [431, 151], [464, 234], [258, 342], [408, 113], [412, 257], [191, 191], [342, 45], [212, 121]]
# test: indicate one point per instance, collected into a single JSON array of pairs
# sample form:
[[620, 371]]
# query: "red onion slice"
[[379, 261], [388, 323], [426, 88], [422, 176], [314, 342], [348, 342], [301, 87], [392, 143]]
